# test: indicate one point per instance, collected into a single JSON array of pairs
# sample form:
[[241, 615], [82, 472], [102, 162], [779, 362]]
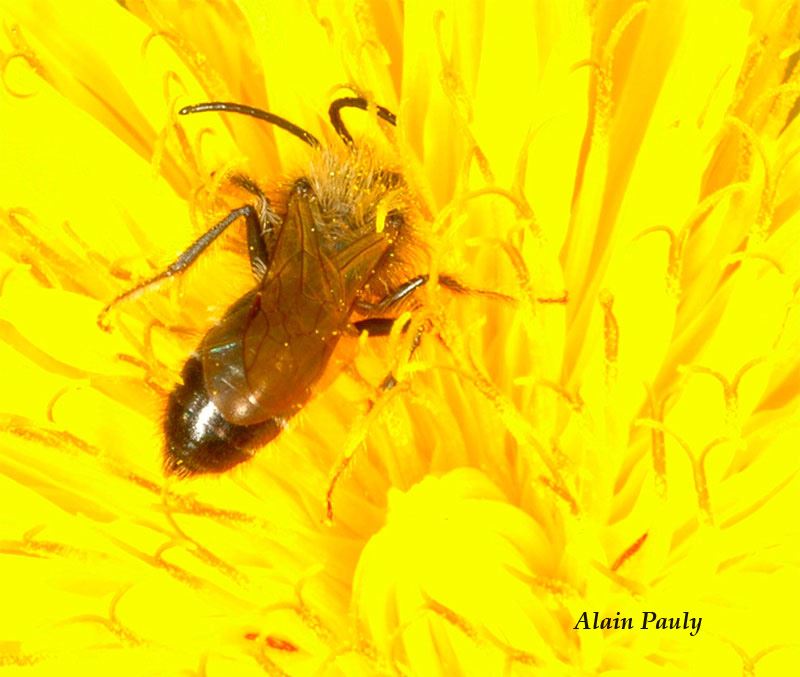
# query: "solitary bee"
[[328, 259]]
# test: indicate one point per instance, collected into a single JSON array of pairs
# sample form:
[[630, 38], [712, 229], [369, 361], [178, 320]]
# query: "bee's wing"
[[263, 359]]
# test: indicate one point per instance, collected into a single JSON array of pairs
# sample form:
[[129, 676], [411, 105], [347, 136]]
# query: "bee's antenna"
[[335, 114], [273, 119]]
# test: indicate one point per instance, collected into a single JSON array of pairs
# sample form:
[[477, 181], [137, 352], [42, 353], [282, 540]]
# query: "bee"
[[328, 259]]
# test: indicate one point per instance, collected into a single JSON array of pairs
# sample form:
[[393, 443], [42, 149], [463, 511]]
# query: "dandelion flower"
[[620, 440]]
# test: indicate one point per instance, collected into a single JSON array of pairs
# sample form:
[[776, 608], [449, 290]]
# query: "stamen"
[[159, 146], [698, 466], [749, 662], [729, 389], [658, 443], [280, 644], [776, 93], [16, 340], [20, 659], [518, 184], [617, 33], [157, 375], [610, 335], [479, 636], [5, 61], [521, 207], [677, 243], [178, 573], [562, 493], [169, 78], [145, 46], [456, 92], [29, 544], [197, 151], [785, 162], [474, 152], [209, 79], [56, 397], [629, 552], [22, 50], [575, 401], [160, 387], [453, 618], [198, 550], [451, 81], [311, 620], [92, 254], [269, 666], [740, 257], [604, 83], [355, 440], [634, 587], [47, 263], [519, 427], [713, 91], [60, 440], [761, 225], [112, 623], [752, 61]]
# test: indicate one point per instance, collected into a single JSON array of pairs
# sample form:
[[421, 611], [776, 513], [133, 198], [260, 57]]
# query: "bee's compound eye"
[[303, 187], [394, 179], [198, 438]]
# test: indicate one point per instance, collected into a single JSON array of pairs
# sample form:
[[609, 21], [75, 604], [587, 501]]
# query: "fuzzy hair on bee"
[[359, 193]]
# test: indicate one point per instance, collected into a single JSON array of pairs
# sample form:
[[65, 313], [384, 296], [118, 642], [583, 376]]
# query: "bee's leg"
[[382, 326], [374, 326], [457, 287], [261, 229], [410, 286], [187, 258], [393, 297]]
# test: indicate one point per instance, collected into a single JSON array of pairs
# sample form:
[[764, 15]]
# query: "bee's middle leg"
[[411, 285], [382, 326]]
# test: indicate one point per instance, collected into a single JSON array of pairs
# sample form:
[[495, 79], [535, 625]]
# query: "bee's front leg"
[[259, 222]]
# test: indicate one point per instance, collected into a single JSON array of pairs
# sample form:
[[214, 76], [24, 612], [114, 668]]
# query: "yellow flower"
[[629, 448]]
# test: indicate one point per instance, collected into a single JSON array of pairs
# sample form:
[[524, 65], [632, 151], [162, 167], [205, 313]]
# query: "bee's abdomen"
[[198, 438]]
